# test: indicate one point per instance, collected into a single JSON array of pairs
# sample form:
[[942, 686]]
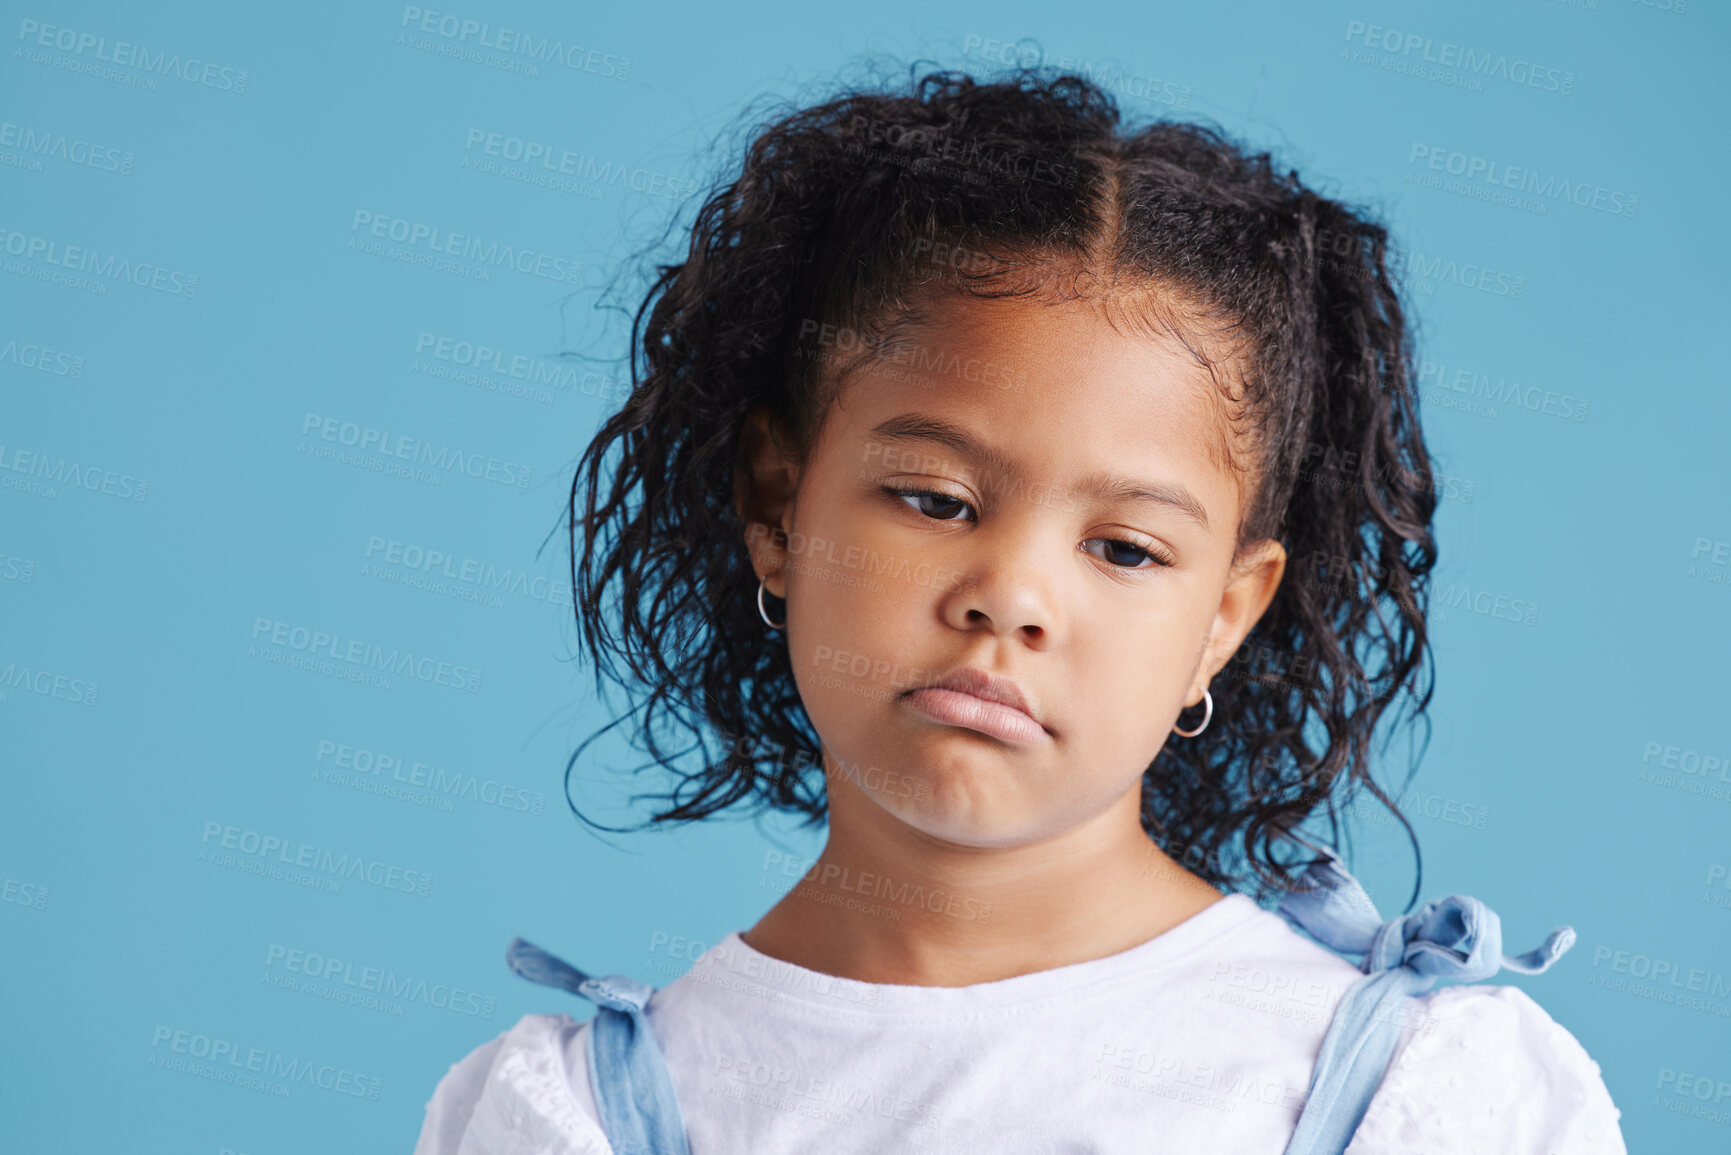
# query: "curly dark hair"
[[835, 218]]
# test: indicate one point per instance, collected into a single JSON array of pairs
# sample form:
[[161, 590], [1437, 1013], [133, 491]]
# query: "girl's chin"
[[966, 820]]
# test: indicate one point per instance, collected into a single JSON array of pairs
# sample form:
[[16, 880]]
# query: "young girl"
[[1044, 503]]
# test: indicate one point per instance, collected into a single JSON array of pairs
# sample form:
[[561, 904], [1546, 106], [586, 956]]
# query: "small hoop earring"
[[761, 612], [1207, 713]]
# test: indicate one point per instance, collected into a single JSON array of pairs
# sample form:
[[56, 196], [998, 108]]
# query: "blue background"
[[1567, 780]]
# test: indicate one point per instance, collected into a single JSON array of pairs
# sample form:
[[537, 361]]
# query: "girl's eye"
[[1127, 548], [941, 507], [925, 499]]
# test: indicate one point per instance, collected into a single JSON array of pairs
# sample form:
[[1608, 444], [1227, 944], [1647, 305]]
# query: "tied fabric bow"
[[627, 1072], [1447, 938], [1457, 937]]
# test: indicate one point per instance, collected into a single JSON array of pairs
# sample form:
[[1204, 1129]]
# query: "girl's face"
[[1075, 535]]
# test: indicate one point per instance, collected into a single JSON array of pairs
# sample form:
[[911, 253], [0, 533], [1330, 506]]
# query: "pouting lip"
[[992, 687]]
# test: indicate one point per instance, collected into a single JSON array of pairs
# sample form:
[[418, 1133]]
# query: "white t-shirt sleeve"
[[454, 1099], [524, 1093], [1487, 1069]]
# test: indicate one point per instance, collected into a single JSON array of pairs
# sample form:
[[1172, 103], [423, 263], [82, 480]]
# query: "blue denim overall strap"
[[1456, 938], [627, 1071]]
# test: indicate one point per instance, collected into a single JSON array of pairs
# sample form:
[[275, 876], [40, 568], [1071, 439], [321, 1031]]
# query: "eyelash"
[[1160, 558]]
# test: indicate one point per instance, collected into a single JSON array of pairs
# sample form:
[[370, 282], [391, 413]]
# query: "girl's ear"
[[1249, 589], [764, 485]]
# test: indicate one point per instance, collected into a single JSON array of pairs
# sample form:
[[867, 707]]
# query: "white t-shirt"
[[1200, 1039]]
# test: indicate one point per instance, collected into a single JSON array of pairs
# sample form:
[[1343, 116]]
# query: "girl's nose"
[[1009, 585]]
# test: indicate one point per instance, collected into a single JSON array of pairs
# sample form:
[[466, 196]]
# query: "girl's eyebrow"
[[1110, 487]]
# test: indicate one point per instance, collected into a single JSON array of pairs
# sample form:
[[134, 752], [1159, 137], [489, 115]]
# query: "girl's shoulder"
[[1477, 1067], [525, 1091], [1482, 1067]]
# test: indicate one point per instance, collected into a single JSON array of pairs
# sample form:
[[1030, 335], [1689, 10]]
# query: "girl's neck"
[[889, 904]]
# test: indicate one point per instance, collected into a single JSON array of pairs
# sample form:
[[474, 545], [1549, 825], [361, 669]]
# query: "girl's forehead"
[[1052, 389], [1108, 369]]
